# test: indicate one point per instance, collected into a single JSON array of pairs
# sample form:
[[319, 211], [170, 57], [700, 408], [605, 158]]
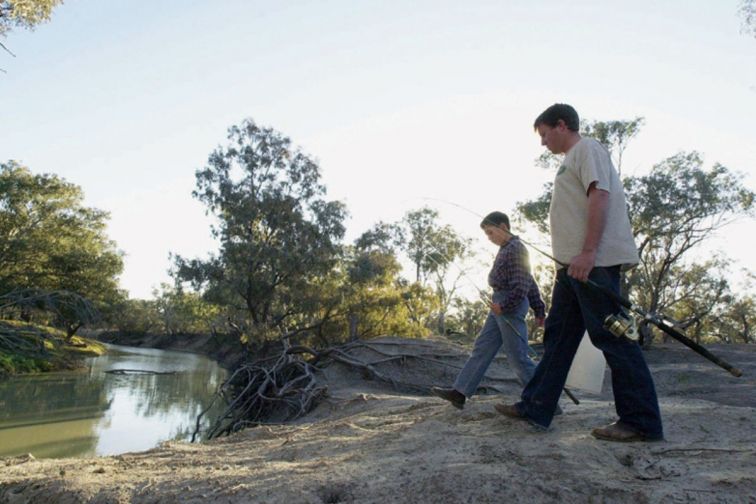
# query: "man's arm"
[[582, 264]]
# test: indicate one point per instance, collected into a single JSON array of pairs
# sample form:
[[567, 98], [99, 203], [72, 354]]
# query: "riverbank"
[[368, 443], [31, 348], [227, 351]]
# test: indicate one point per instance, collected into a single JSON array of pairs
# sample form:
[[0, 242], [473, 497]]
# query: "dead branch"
[[138, 372]]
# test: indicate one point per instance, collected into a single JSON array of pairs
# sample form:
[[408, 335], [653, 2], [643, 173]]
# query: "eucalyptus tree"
[[184, 312], [50, 241], [438, 254], [674, 209], [279, 236], [377, 299], [737, 323]]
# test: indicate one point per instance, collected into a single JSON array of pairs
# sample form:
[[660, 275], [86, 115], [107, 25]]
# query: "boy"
[[514, 290]]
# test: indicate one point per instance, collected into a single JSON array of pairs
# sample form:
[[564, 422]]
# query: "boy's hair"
[[494, 219], [552, 115]]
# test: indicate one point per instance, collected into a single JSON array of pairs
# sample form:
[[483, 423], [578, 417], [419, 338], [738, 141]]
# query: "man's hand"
[[540, 321], [496, 308], [581, 265]]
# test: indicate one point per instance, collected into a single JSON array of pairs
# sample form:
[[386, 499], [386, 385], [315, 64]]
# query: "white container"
[[588, 366]]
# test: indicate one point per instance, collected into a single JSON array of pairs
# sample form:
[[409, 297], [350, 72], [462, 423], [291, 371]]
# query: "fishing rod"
[[625, 326], [483, 296]]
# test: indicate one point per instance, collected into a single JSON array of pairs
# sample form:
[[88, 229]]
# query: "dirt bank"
[[366, 443]]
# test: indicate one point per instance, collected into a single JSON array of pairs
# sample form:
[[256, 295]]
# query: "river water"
[[80, 414]]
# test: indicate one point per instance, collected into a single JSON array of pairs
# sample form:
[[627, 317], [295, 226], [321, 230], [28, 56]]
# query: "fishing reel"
[[622, 325]]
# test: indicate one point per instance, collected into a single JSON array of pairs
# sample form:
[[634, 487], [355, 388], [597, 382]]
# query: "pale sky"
[[397, 100]]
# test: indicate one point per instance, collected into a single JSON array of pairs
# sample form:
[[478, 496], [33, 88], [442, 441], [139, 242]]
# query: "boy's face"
[[554, 138], [498, 235]]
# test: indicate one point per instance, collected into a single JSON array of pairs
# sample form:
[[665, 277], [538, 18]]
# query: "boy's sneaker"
[[456, 398]]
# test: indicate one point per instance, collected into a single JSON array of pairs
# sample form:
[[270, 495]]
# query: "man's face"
[[553, 138]]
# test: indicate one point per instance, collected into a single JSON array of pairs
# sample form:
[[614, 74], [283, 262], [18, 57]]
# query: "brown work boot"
[[509, 410], [455, 397], [620, 432]]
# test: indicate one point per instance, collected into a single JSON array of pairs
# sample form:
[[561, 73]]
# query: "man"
[[514, 290], [592, 237]]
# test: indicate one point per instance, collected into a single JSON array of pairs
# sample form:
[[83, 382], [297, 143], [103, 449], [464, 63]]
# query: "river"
[[92, 412]]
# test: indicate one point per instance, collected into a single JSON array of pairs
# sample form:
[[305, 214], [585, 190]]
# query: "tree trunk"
[[353, 321], [646, 335], [441, 323]]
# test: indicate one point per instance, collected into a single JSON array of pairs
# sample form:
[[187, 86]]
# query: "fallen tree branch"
[[138, 372]]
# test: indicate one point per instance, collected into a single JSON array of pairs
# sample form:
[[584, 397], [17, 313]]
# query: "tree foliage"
[[468, 318], [183, 312], [674, 209], [747, 11], [436, 252], [134, 316], [64, 307], [377, 300], [278, 234], [50, 241], [25, 13]]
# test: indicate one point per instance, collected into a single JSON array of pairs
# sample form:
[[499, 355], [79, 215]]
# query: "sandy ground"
[[368, 443]]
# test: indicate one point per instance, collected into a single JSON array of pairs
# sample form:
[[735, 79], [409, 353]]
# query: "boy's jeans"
[[498, 331], [575, 308]]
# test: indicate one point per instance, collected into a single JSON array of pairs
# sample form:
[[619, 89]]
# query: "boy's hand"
[[540, 321], [495, 308]]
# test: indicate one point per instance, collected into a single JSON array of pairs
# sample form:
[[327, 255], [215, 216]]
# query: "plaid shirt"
[[511, 274]]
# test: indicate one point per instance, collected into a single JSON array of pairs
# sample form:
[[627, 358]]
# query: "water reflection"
[[96, 413]]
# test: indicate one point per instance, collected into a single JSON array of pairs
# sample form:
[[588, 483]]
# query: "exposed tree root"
[[265, 391], [283, 388]]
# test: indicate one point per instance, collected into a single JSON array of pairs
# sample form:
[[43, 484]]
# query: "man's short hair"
[[494, 219], [552, 115]]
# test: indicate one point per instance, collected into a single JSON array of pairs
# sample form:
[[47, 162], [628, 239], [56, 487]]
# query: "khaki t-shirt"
[[586, 162]]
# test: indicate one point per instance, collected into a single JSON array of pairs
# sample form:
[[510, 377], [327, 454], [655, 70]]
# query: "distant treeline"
[[283, 269]]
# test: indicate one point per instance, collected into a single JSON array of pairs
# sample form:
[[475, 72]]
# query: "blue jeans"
[[508, 330], [576, 307]]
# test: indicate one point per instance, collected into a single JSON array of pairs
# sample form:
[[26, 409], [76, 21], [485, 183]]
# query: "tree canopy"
[[278, 234], [50, 241], [747, 11], [24, 13]]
